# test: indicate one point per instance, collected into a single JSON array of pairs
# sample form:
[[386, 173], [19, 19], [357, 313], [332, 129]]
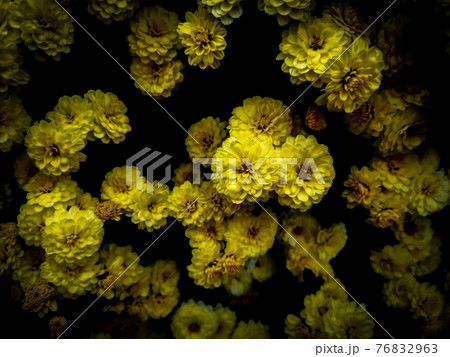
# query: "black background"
[[248, 69]]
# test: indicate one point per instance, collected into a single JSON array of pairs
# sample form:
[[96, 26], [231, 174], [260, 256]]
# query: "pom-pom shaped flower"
[[194, 320], [261, 268], [348, 19], [208, 237], [205, 137], [158, 80], [72, 236], [154, 35], [315, 119], [45, 27], [363, 187], [40, 298], [203, 36], [31, 223], [159, 305], [225, 10], [387, 208], [414, 232], [226, 319], [305, 172], [112, 10], [149, 209], [187, 204], [205, 268], [14, 121], [399, 292], [110, 121], [354, 77], [164, 276], [250, 330], [242, 169], [29, 268], [287, 9], [296, 328], [24, 169], [427, 302], [308, 49], [217, 206], [55, 150], [261, 119], [392, 262], [10, 247]]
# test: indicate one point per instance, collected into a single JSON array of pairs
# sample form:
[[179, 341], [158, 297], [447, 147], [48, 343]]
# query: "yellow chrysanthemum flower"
[[158, 80], [414, 232], [315, 120], [57, 325], [316, 306], [261, 119], [29, 269], [154, 35], [392, 262], [84, 201], [387, 209], [427, 260], [122, 184], [406, 131], [185, 172], [250, 329], [403, 93], [159, 305], [203, 36], [194, 320], [364, 186], [209, 236], [254, 235], [40, 298], [232, 262], [301, 227], [329, 242], [72, 236], [226, 319], [73, 112], [149, 209], [354, 77], [45, 27], [10, 247], [50, 191], [73, 281], [225, 10], [296, 328], [14, 121], [304, 181], [308, 49], [24, 169], [399, 292], [187, 204], [218, 207], [242, 170], [205, 268], [205, 137], [110, 120], [427, 301], [287, 9], [112, 10], [31, 223], [55, 150], [164, 276], [261, 268], [348, 19], [238, 284]]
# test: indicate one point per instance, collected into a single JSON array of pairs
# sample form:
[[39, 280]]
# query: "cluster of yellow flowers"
[[287, 10], [330, 314], [225, 10], [112, 10]]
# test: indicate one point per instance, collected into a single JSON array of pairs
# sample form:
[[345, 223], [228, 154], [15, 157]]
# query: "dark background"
[[248, 69]]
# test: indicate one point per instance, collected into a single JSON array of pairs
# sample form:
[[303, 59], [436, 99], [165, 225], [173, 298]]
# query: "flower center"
[[194, 327], [202, 37], [70, 239], [53, 150], [253, 232], [353, 81], [316, 43]]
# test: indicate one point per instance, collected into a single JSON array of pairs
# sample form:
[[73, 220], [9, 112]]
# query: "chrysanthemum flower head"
[[299, 228], [261, 119], [45, 27], [296, 328], [110, 120], [40, 298], [29, 268], [72, 236], [387, 209], [10, 247], [414, 232], [309, 48], [218, 207], [354, 77], [226, 319], [84, 201], [364, 186], [329, 242], [427, 301], [14, 121], [203, 36], [24, 169], [31, 223], [225, 10], [209, 236], [315, 119], [348, 19], [108, 210], [154, 35], [112, 10], [250, 330], [205, 137], [262, 268], [205, 268], [164, 276], [187, 204], [159, 305], [239, 283], [287, 9], [399, 292], [392, 262], [57, 325], [185, 172]]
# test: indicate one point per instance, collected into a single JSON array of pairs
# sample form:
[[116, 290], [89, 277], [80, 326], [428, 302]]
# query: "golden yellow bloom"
[[392, 262], [287, 9], [238, 284], [57, 325], [315, 119], [427, 301], [316, 306], [203, 36], [225, 10], [217, 206], [108, 210], [165, 276], [40, 298], [112, 10], [72, 236], [31, 223], [45, 27], [309, 48], [261, 268], [226, 319], [209, 236], [194, 320], [406, 131], [329, 242], [110, 120], [243, 170], [72, 281], [250, 329], [187, 204], [158, 80], [160, 305], [371, 117], [14, 121], [301, 228], [149, 209], [121, 185], [73, 112], [354, 77], [427, 260], [348, 19], [50, 191], [154, 35], [233, 260], [29, 268], [84, 201], [364, 187], [387, 209], [55, 150], [24, 169], [414, 232], [205, 137], [308, 178], [185, 172], [296, 328], [399, 292], [10, 247], [254, 235], [205, 269], [403, 92]]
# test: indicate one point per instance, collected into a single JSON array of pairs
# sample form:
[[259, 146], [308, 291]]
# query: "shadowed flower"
[[250, 330], [315, 119], [14, 121], [348, 19], [112, 10], [363, 187], [205, 137], [187, 204], [24, 169], [108, 210], [287, 9], [225, 10], [40, 298]]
